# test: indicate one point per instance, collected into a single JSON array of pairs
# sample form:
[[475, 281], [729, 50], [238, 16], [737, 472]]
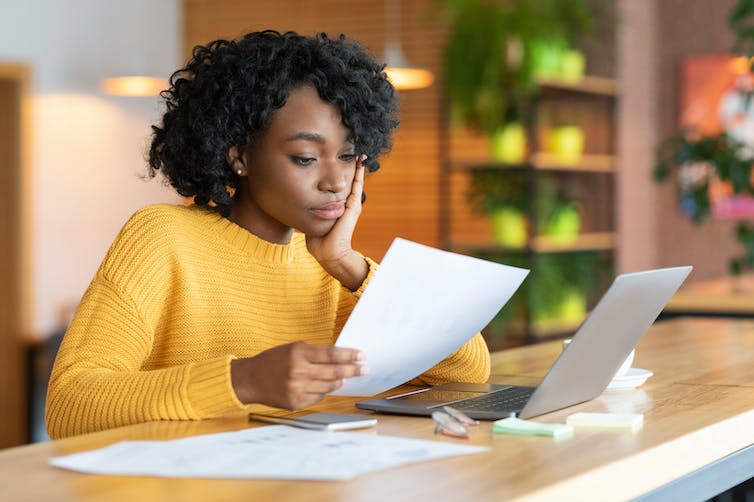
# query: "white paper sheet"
[[277, 452], [421, 305]]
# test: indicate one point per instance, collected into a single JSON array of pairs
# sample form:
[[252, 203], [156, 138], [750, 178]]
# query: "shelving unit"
[[590, 104]]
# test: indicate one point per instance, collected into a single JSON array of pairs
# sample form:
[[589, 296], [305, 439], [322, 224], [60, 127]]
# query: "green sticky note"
[[512, 425]]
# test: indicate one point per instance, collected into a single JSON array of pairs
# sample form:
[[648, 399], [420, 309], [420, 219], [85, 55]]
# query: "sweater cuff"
[[210, 390], [373, 266]]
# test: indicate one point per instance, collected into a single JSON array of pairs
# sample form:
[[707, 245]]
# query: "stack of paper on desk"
[[275, 452], [421, 306]]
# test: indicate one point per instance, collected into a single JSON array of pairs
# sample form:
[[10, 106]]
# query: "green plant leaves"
[[488, 63], [730, 161]]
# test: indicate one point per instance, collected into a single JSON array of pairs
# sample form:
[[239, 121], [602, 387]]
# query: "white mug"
[[623, 367]]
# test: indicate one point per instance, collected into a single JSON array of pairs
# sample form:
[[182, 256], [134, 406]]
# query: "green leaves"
[[725, 159], [494, 188], [741, 21], [488, 64]]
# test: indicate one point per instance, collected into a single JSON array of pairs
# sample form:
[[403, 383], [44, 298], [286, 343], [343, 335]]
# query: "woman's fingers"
[[332, 354], [296, 375], [347, 223], [328, 363], [357, 187]]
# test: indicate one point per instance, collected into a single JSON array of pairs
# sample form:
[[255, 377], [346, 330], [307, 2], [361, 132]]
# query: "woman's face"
[[297, 173]]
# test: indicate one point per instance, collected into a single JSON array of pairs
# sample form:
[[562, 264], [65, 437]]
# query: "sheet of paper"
[[421, 305], [275, 452]]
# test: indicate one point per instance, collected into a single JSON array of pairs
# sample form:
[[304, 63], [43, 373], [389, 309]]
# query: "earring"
[[240, 172]]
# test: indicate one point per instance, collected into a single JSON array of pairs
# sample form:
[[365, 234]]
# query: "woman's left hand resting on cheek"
[[333, 250]]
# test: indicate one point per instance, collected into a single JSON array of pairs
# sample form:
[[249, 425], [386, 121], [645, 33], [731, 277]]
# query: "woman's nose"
[[334, 177]]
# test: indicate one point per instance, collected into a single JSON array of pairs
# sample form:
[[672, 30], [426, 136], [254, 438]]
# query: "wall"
[[87, 153], [689, 27], [637, 194]]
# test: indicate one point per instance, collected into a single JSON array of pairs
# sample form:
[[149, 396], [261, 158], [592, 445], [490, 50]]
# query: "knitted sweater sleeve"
[[470, 363], [97, 382]]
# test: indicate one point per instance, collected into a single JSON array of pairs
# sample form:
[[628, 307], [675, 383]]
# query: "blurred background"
[[580, 139]]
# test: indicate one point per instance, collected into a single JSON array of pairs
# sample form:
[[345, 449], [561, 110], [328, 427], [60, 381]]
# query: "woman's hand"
[[294, 376], [333, 250]]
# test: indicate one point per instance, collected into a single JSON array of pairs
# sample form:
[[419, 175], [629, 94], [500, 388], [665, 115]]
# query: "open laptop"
[[583, 370]]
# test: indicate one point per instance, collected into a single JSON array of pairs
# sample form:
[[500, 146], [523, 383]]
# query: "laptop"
[[582, 371]]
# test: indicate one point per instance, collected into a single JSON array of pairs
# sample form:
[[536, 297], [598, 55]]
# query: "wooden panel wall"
[[403, 194]]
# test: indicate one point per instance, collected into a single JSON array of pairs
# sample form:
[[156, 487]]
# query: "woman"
[[238, 298]]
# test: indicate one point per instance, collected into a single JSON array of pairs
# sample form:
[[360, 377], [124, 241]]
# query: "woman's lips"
[[331, 211]]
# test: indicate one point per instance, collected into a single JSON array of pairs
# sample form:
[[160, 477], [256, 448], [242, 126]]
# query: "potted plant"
[[554, 298], [558, 213], [701, 163], [496, 50], [502, 196], [560, 287]]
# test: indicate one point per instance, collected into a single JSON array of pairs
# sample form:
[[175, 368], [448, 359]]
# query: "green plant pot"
[[572, 64], [567, 143], [564, 225], [572, 308], [508, 144], [546, 57], [509, 227]]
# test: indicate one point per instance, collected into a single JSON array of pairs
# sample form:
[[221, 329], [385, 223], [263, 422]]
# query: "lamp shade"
[[402, 75], [133, 85]]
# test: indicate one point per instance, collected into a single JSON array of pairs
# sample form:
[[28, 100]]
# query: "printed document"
[[421, 305], [272, 452]]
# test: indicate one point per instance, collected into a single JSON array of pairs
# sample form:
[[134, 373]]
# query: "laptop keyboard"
[[512, 398]]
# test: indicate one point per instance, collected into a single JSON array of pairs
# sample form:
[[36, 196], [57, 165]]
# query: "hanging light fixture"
[[402, 75], [133, 85]]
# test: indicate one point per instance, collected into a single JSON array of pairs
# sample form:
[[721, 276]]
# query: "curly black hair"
[[227, 92]]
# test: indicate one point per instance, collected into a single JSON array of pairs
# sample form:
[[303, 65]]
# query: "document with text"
[[420, 306], [272, 452]]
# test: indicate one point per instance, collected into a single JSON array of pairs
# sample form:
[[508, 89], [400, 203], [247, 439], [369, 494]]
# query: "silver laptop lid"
[[605, 338]]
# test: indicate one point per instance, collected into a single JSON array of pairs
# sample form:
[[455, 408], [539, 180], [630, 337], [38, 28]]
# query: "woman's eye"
[[303, 161], [348, 157]]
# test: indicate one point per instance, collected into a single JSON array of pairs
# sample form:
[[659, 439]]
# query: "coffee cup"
[[624, 367]]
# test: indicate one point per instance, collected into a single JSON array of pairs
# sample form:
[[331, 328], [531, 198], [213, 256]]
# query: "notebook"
[[581, 372]]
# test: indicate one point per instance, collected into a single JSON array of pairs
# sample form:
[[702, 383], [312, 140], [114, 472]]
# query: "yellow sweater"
[[181, 292]]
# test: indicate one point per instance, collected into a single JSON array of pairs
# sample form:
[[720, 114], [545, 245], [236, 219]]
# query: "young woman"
[[200, 310]]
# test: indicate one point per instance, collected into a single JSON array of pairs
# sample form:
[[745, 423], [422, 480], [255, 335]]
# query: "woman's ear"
[[235, 159]]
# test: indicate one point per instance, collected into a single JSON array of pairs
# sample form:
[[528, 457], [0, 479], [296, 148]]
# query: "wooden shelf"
[[601, 86], [588, 162], [543, 161], [590, 104], [596, 241]]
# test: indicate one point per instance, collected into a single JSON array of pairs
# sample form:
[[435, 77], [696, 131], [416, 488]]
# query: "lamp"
[[401, 74], [133, 85]]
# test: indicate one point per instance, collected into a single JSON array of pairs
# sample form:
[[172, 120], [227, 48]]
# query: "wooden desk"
[[698, 410], [723, 297]]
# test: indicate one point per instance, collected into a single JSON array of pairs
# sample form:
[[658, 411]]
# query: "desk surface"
[[723, 296], [698, 408]]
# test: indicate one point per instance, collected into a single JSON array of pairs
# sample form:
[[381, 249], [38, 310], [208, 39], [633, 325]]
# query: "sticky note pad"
[[512, 425], [617, 421]]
